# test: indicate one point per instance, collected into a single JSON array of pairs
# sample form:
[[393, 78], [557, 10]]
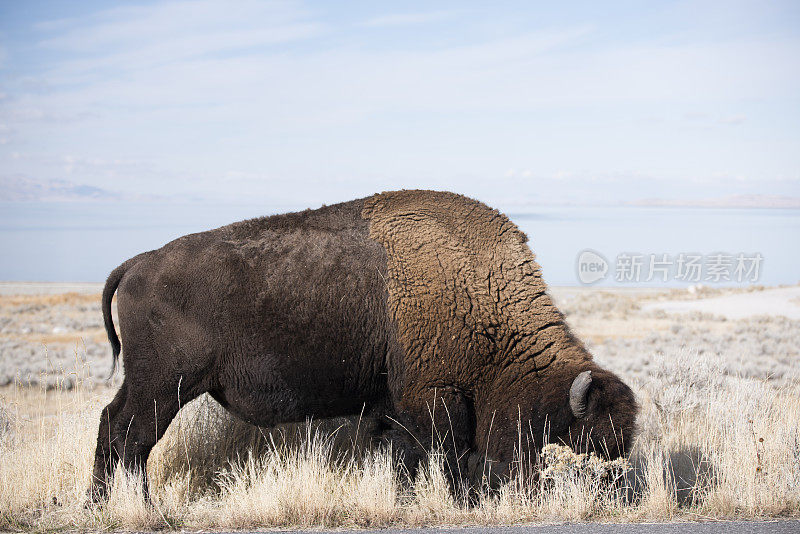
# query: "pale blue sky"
[[299, 103]]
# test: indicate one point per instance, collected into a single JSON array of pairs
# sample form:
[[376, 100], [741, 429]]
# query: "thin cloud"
[[696, 116], [407, 19], [282, 96], [137, 38], [733, 119], [128, 25]]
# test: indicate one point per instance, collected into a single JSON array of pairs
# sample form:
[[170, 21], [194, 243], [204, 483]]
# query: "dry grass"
[[56, 299], [719, 436], [711, 445]]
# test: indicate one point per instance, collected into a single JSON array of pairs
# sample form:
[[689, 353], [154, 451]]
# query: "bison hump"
[[462, 282]]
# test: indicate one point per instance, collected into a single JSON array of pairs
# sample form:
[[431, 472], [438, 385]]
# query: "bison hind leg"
[[133, 422], [105, 457]]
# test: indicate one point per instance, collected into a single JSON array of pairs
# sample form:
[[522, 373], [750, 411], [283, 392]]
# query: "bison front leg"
[[435, 419], [504, 445]]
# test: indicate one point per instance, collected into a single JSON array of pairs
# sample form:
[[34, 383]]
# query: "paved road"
[[715, 527]]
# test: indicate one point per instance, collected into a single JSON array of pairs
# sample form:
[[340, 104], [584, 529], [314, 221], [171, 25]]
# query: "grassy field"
[[719, 436]]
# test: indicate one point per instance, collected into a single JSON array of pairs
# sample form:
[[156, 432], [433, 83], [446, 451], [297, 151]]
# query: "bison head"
[[582, 406], [601, 417]]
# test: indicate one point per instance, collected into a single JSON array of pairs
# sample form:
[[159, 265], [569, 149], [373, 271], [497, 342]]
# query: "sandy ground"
[[53, 332], [49, 288], [783, 301], [624, 329]]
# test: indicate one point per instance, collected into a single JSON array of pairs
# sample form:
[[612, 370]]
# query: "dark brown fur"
[[426, 307]]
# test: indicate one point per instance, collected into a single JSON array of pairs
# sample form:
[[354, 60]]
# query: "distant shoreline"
[[89, 288], [730, 202]]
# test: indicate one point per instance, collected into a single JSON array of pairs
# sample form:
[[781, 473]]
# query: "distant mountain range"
[[20, 188], [17, 188], [733, 201]]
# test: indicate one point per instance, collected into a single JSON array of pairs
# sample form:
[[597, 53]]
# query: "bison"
[[389, 304]]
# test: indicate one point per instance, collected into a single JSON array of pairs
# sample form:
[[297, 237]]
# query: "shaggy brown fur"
[[427, 308], [479, 329]]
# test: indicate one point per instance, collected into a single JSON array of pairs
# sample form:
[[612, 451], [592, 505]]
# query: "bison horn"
[[578, 392]]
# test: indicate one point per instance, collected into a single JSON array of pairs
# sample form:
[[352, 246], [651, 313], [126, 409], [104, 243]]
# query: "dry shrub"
[[203, 440], [579, 486]]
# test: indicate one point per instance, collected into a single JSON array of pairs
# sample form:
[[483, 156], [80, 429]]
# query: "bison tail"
[[108, 294]]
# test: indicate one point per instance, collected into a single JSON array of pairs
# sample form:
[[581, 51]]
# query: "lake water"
[[85, 241]]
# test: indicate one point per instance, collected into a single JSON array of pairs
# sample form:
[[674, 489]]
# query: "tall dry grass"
[[710, 445]]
